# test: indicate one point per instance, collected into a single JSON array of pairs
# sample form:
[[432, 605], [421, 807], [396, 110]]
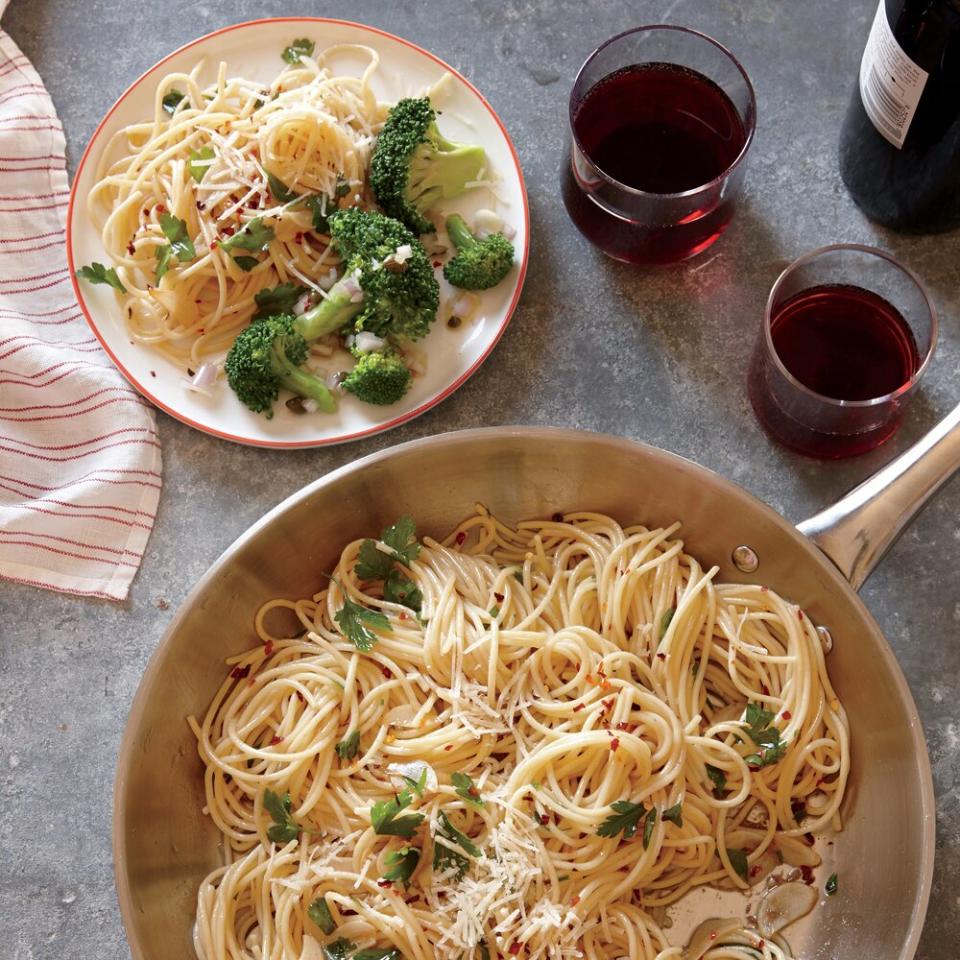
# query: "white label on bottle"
[[891, 84]]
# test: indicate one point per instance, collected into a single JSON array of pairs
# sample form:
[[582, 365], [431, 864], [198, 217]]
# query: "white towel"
[[79, 454]]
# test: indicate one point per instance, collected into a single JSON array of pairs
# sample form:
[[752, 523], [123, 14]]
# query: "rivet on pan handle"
[[861, 526]]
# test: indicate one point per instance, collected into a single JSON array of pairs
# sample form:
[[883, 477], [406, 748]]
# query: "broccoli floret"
[[400, 293], [413, 166], [380, 378], [479, 264], [267, 356], [380, 291]]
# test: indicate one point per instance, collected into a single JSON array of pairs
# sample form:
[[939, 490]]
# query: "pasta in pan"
[[520, 742]]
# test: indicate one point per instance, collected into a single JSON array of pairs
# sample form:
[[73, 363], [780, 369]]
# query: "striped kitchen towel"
[[79, 454]]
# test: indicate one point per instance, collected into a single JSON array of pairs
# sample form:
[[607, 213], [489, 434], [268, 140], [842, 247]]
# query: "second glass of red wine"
[[847, 333], [661, 119]]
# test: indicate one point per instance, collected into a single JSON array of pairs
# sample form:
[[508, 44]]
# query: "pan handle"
[[861, 526]]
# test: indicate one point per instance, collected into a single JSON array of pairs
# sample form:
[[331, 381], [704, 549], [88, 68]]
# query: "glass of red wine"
[[847, 333], [661, 119]]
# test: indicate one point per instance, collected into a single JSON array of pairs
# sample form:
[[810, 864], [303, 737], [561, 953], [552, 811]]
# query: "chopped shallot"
[[486, 222], [464, 305], [203, 380], [367, 342]]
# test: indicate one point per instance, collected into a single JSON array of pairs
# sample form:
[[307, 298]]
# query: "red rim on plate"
[[377, 428]]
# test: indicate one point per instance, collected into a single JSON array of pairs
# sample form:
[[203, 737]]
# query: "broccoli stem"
[[302, 382], [328, 315], [459, 232]]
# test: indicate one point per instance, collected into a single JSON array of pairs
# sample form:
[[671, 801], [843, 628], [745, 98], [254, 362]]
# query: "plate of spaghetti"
[[298, 231]]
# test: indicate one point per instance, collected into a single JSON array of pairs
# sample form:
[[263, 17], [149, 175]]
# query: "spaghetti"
[[582, 725], [216, 159]]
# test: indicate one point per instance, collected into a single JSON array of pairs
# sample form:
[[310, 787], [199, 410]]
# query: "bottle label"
[[891, 84]]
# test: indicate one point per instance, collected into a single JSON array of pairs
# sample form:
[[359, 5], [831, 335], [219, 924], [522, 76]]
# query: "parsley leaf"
[[450, 857], [302, 47], [198, 165], [280, 190], [338, 950], [352, 618], [830, 887], [401, 538], [172, 100], [372, 563], [626, 817], [665, 621], [246, 263], [465, 789], [98, 273], [401, 864], [255, 236], [284, 827], [649, 823], [275, 300], [398, 589], [738, 860], [379, 953], [319, 913], [494, 611], [163, 260], [349, 746], [766, 737], [719, 780], [175, 230], [674, 814], [385, 820]]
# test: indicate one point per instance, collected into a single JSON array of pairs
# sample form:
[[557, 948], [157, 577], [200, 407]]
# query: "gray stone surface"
[[655, 355]]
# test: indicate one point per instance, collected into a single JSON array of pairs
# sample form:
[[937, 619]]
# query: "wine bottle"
[[900, 142]]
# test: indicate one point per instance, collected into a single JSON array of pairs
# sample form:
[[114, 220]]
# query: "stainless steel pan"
[[163, 845]]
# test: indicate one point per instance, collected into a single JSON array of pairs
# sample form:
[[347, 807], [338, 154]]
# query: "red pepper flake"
[[761, 944], [201, 331], [786, 714], [498, 597], [473, 791], [250, 681], [153, 373], [301, 697], [605, 684], [600, 670], [131, 249], [544, 819], [298, 238], [268, 648], [146, 211], [385, 884], [755, 869], [460, 537], [766, 690], [614, 743], [214, 245], [515, 948], [275, 740], [807, 874], [800, 615], [385, 671], [608, 703], [661, 656], [579, 707], [449, 746], [227, 231], [160, 208], [402, 616], [810, 839], [628, 727], [437, 263], [574, 901], [628, 633], [201, 205], [238, 673]]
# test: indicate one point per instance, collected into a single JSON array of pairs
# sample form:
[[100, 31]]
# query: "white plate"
[[253, 50]]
